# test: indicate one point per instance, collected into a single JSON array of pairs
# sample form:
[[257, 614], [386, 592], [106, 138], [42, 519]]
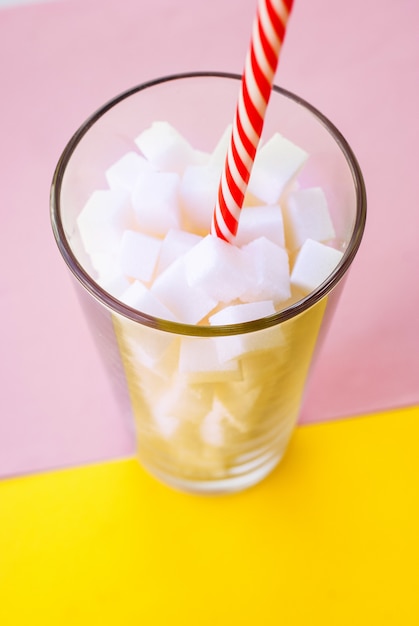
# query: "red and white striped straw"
[[256, 86]]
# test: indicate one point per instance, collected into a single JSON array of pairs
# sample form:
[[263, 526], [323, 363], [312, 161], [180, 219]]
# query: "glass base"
[[230, 484]]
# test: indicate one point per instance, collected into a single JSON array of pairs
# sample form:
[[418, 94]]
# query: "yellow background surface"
[[331, 537]]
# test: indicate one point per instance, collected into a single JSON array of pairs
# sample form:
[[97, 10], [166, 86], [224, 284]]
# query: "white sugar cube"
[[155, 199], [218, 155], [106, 265], [155, 362], [165, 148], [216, 267], [109, 273], [306, 216], [188, 304], [147, 348], [240, 313], [246, 393], [200, 157], [198, 359], [124, 173], [276, 163], [116, 285], [260, 221], [314, 263], [174, 245], [214, 423], [198, 194], [171, 400], [167, 424], [267, 271], [181, 400], [235, 346], [102, 220], [138, 255], [137, 296], [217, 424]]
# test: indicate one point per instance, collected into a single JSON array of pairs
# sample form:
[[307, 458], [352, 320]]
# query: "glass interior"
[[187, 101]]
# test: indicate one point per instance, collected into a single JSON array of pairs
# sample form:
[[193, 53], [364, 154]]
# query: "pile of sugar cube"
[[149, 242], [148, 238]]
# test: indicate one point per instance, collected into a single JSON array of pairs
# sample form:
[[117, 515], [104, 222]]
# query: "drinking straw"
[[256, 85]]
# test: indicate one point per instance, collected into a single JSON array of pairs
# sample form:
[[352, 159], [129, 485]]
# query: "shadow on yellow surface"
[[331, 537]]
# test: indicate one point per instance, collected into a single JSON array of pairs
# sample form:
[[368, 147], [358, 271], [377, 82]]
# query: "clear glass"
[[207, 431]]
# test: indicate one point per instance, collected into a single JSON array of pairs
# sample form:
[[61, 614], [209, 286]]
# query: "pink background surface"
[[358, 62]]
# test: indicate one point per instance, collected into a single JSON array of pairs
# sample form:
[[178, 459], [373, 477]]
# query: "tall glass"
[[207, 429]]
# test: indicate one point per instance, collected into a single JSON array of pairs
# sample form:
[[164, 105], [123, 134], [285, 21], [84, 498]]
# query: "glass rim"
[[110, 302]]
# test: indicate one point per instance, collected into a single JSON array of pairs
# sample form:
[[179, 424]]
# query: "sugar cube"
[[267, 270], [216, 267], [306, 216], [240, 313], [102, 220], [260, 221], [106, 264], [116, 285], [155, 199], [188, 304], [174, 245], [139, 297], [147, 348], [217, 423], [179, 399], [200, 157], [167, 424], [218, 155], [235, 346], [212, 427], [124, 173], [165, 148], [198, 359], [138, 255], [198, 194], [276, 163], [314, 263]]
